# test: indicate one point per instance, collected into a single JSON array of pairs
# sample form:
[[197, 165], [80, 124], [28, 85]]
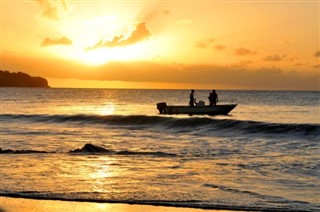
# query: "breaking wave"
[[144, 121]]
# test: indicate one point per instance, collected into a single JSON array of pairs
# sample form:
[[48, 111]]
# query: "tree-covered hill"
[[19, 79]]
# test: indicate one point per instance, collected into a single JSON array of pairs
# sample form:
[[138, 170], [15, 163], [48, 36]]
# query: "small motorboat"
[[200, 109]]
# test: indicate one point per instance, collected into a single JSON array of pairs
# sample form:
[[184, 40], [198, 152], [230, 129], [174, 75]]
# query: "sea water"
[[264, 155]]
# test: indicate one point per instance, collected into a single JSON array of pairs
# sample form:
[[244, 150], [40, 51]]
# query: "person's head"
[[192, 91], [213, 91]]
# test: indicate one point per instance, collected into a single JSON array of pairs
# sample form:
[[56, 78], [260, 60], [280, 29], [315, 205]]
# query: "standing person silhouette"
[[213, 98], [192, 99]]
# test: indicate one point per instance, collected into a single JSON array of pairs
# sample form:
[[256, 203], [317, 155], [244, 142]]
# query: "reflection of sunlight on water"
[[99, 177], [106, 109], [100, 173]]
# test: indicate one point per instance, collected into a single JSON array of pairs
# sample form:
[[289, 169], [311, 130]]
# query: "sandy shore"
[[8, 204]]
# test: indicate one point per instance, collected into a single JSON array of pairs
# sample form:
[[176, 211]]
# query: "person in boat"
[[192, 99], [213, 98]]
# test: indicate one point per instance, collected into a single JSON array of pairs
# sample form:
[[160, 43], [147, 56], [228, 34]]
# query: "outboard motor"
[[161, 106]]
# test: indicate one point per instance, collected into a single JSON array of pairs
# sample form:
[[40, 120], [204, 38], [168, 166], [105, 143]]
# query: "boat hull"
[[199, 110]]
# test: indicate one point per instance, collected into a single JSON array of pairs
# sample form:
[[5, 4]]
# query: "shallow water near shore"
[[263, 156]]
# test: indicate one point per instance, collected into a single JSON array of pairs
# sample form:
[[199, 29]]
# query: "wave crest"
[[166, 122]]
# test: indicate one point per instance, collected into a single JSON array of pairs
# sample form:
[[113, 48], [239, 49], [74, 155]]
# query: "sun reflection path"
[[104, 109], [108, 109], [101, 173]]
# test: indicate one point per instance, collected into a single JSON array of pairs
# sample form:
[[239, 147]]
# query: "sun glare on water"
[[105, 109], [108, 109]]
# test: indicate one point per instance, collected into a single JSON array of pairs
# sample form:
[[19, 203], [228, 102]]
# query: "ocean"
[[263, 156]]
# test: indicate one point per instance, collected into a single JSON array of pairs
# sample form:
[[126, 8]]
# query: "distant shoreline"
[[20, 79], [168, 89]]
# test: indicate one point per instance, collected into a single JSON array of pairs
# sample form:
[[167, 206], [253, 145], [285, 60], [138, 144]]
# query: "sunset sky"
[[273, 45]]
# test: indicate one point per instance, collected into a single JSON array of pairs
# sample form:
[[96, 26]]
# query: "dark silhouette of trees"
[[19, 79]]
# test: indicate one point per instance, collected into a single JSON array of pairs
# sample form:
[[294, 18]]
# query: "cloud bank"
[[234, 76], [139, 34], [55, 41]]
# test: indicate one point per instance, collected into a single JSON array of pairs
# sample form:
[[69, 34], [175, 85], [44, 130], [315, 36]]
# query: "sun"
[[139, 51], [136, 52], [128, 40], [95, 57]]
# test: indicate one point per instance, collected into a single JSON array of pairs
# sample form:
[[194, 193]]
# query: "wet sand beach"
[[9, 204]]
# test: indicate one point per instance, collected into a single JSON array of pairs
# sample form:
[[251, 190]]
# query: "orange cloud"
[[317, 67], [204, 43], [220, 47], [59, 41], [243, 51], [274, 58], [317, 54], [50, 9], [139, 34]]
